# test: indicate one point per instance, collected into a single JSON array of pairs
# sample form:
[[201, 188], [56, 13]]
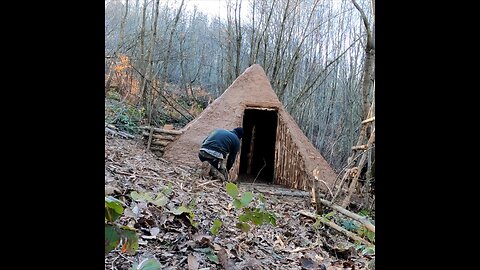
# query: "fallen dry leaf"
[[154, 231], [202, 239], [263, 247], [192, 262], [225, 261]]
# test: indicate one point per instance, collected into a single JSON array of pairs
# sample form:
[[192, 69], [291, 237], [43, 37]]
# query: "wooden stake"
[[150, 138]]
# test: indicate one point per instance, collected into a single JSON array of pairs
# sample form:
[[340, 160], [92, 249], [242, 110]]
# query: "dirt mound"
[[252, 90]]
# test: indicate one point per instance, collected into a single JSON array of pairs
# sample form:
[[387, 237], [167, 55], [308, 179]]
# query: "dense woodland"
[[167, 60]]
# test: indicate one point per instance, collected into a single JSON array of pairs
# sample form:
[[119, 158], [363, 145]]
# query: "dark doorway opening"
[[257, 160]]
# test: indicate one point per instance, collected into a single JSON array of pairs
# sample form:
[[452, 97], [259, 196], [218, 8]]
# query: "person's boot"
[[224, 172], [205, 170], [216, 174]]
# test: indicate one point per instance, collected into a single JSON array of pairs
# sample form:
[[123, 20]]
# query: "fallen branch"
[[126, 135], [264, 164], [300, 249], [111, 131], [336, 227], [325, 183], [349, 214], [208, 182], [119, 133]]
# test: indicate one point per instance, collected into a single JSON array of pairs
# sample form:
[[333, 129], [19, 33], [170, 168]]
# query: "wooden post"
[[150, 138]]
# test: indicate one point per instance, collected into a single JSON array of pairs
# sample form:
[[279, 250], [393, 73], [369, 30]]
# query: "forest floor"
[[164, 234]]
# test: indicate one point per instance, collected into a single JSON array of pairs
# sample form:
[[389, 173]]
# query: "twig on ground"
[[208, 182], [264, 164], [119, 253], [113, 267]]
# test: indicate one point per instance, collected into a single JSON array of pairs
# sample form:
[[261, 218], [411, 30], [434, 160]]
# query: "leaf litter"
[[173, 210]]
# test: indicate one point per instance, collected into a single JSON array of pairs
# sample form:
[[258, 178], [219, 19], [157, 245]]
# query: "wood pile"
[[156, 139]]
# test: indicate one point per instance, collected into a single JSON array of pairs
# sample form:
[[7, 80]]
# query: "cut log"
[[110, 131], [336, 227], [360, 147], [119, 133], [112, 127], [160, 130], [159, 136], [126, 135], [353, 184], [162, 143]]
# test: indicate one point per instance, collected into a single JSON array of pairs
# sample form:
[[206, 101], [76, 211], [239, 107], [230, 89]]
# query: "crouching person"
[[219, 145]]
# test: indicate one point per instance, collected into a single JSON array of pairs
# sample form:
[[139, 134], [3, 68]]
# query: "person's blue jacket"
[[225, 142]]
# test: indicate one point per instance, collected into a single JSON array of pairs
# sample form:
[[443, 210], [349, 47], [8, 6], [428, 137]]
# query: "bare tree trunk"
[[149, 95], [122, 30], [109, 77], [251, 60], [183, 71], [367, 111], [279, 44], [296, 55], [164, 76], [119, 45], [143, 95], [229, 66], [369, 60], [263, 37], [371, 158], [170, 41], [238, 37]]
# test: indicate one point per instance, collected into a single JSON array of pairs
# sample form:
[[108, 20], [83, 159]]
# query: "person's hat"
[[239, 132]]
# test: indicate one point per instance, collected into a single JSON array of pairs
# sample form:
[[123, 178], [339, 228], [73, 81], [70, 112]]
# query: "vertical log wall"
[[289, 164]]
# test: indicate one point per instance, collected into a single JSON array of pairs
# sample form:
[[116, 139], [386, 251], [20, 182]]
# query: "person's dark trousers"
[[204, 156]]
